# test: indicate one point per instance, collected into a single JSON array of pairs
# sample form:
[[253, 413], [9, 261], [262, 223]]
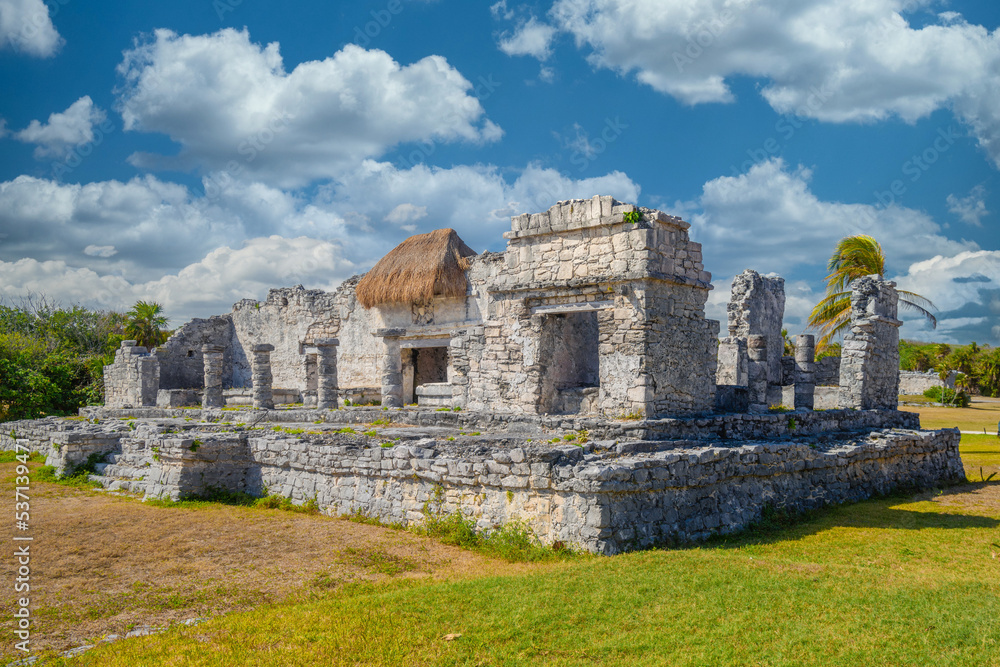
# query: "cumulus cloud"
[[966, 289], [65, 130], [768, 219], [834, 60], [530, 38], [154, 235], [970, 209], [26, 27], [209, 286], [231, 106]]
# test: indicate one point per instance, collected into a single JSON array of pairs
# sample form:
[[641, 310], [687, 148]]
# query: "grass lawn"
[[984, 413], [891, 581]]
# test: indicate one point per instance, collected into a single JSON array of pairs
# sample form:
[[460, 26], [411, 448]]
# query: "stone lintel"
[[389, 333], [263, 347], [326, 342]]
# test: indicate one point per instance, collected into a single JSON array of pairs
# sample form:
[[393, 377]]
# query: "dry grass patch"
[[103, 564]]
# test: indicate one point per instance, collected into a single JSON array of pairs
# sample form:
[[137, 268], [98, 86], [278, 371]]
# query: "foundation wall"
[[604, 499]]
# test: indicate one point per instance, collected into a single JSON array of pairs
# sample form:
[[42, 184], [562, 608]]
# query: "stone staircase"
[[125, 470]]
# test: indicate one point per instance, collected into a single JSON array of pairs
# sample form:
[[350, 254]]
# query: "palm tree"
[[855, 257], [144, 324]]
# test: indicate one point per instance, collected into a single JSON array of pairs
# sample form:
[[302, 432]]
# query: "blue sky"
[[199, 152]]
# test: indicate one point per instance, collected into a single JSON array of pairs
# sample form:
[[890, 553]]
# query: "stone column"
[[391, 368], [733, 362], [262, 395], [211, 356], [757, 373], [805, 367], [869, 366], [326, 373]]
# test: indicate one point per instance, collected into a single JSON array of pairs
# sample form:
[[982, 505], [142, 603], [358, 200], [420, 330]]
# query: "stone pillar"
[[211, 356], [326, 373], [757, 373], [391, 368], [805, 367], [261, 368], [757, 307], [869, 366], [733, 362], [309, 371]]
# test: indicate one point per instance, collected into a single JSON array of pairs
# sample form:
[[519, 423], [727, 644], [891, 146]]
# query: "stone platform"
[[609, 494]]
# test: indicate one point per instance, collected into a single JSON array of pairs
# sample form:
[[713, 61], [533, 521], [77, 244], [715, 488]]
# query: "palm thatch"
[[418, 269]]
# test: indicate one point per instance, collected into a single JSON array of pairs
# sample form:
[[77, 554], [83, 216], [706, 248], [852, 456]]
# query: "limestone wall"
[[757, 307], [180, 357], [642, 276], [133, 379], [869, 370], [915, 383], [604, 497]]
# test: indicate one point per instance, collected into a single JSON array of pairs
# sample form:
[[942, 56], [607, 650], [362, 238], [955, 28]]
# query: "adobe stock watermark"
[[914, 169], [591, 150], [75, 157], [250, 148], [381, 18], [483, 89], [223, 7], [707, 34], [22, 546], [34, 23]]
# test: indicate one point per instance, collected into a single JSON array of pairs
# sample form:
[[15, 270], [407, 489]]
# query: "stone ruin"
[[572, 381]]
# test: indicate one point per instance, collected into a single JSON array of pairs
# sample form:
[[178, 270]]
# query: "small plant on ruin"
[[632, 217], [443, 410], [347, 429], [347, 402], [387, 445], [451, 437], [195, 445], [792, 423], [457, 408], [381, 422], [635, 415], [371, 434], [510, 496]]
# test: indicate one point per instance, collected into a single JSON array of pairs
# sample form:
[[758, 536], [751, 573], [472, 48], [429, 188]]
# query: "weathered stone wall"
[[133, 379], [916, 383], [604, 497], [757, 307], [826, 371], [643, 277], [869, 370], [180, 357]]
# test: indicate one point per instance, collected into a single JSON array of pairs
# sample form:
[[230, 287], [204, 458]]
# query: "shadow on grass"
[[777, 525]]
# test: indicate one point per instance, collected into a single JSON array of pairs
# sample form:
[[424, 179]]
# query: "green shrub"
[[948, 396]]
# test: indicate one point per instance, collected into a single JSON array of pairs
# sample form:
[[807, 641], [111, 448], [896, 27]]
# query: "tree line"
[[52, 358]]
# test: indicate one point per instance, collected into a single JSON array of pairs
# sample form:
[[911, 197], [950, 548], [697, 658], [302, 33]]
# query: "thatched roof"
[[420, 268]]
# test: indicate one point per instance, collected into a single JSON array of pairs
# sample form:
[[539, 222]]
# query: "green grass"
[[889, 581], [882, 582], [980, 452]]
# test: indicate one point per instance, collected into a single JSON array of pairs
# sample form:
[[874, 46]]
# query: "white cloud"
[[530, 38], [769, 220], [834, 60], [65, 130], [3, 128], [160, 230], [406, 213], [231, 105], [26, 27], [209, 286], [965, 287], [100, 251], [971, 208]]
